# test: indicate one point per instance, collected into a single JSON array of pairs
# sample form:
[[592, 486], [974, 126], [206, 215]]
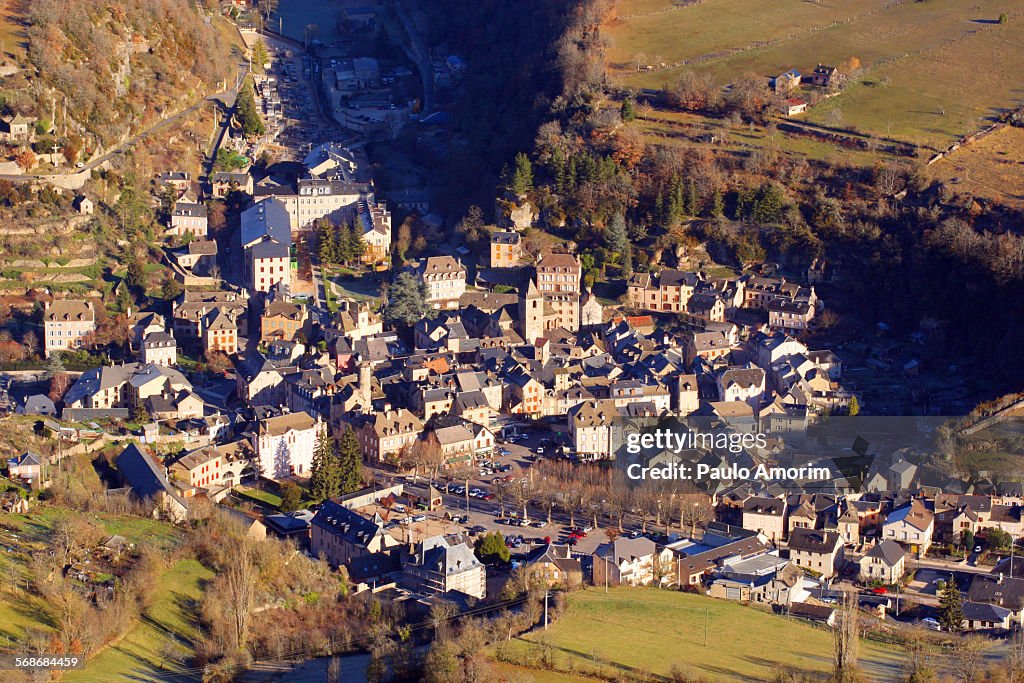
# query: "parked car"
[[540, 524], [419, 518], [505, 451], [932, 624], [539, 450]]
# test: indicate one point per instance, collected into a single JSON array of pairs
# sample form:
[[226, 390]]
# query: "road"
[[224, 97], [420, 55]]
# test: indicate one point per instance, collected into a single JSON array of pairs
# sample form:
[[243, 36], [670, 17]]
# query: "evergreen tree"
[[491, 548], [350, 462], [559, 171], [326, 249], [628, 110], [691, 202], [407, 300], [54, 366], [951, 610], [521, 181], [854, 408], [291, 496], [247, 113], [717, 207], [768, 203], [325, 474], [259, 55]]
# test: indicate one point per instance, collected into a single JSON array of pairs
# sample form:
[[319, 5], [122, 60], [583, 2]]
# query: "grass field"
[[169, 626], [918, 57], [652, 630], [991, 167]]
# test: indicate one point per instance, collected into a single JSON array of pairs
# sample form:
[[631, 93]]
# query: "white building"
[[65, 323], [284, 445]]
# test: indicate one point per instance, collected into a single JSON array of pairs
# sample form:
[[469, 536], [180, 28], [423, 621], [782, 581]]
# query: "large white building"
[[267, 240], [284, 445]]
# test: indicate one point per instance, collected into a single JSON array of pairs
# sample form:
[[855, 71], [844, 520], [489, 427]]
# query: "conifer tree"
[[350, 462], [325, 476]]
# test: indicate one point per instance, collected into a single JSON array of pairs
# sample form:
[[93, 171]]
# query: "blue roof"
[[141, 473], [267, 218]]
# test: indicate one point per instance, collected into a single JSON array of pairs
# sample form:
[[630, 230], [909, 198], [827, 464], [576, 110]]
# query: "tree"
[[845, 640], [291, 496], [616, 238], [247, 113], [854, 408], [54, 366], [259, 55], [628, 110], [951, 611], [350, 462], [1003, 18], [967, 538], [997, 539], [491, 548], [407, 300], [325, 473], [72, 148], [171, 288], [521, 181], [26, 160]]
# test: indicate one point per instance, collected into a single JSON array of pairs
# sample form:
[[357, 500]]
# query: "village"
[[454, 427]]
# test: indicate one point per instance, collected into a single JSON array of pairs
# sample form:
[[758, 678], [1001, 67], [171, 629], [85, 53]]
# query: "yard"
[[916, 56], [155, 647], [653, 630]]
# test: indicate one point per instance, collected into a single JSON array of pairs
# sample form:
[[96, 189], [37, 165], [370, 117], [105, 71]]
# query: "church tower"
[[531, 313]]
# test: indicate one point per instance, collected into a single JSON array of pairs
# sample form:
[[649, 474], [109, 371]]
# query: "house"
[[223, 183], [266, 239], [766, 516], [591, 311], [668, 290], [559, 278], [687, 398], [27, 467], [222, 465], [148, 483], [741, 384], [439, 567], [220, 332], [198, 256], [159, 348], [284, 444], [787, 82], [84, 205], [553, 565], [37, 404], [383, 434], [591, 427], [124, 386], [632, 562], [340, 535], [285, 321], [791, 106], [179, 181], [373, 221], [886, 562], [981, 616], [911, 526], [445, 280], [16, 128], [187, 218], [66, 324], [819, 551], [1000, 590], [821, 76], [506, 248]]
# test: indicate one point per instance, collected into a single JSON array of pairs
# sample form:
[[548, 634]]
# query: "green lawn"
[[264, 497], [652, 630], [141, 653]]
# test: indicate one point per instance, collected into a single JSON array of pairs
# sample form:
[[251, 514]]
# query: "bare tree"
[[846, 640], [240, 584]]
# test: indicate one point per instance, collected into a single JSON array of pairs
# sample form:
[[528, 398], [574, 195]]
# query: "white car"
[[930, 623]]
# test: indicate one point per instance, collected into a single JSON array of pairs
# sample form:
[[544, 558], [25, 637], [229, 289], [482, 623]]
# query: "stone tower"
[[531, 313]]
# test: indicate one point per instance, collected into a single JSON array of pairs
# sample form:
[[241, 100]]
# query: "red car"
[[879, 591]]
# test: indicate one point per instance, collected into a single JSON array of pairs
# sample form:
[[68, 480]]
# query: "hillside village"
[[451, 428]]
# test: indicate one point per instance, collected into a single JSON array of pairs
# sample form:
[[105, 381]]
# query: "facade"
[[65, 325], [766, 516], [665, 291], [284, 321], [632, 562], [438, 568], [445, 279], [911, 526], [340, 535], [284, 445], [816, 550], [266, 239], [506, 249], [188, 218], [159, 348], [559, 281], [384, 434], [886, 562], [220, 332]]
